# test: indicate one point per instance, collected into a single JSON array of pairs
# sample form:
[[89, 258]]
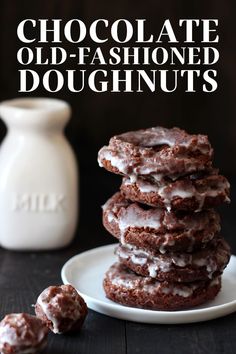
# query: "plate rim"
[[173, 315]]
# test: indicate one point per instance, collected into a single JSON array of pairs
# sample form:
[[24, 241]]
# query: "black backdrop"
[[97, 116]]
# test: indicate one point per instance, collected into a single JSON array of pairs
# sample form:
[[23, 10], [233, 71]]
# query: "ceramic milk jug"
[[38, 176]]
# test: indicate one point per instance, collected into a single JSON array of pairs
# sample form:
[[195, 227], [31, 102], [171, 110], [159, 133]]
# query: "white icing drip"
[[152, 269], [201, 202], [136, 251], [140, 218], [31, 350], [163, 141], [129, 284], [169, 241], [165, 263], [139, 256], [145, 170], [162, 249], [146, 187], [211, 268], [207, 262], [133, 216], [184, 291], [182, 261], [201, 197], [138, 260], [158, 177], [44, 306], [181, 193], [124, 150], [8, 335], [170, 191], [176, 192], [117, 161], [122, 254]]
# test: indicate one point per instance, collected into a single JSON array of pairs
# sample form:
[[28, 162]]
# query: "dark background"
[[97, 116]]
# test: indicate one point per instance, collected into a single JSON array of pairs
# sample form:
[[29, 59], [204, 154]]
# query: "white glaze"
[[117, 161], [184, 292], [146, 187], [138, 260], [129, 284], [162, 249], [49, 315], [124, 148], [132, 282], [132, 178], [132, 216], [211, 268], [215, 281], [152, 269], [168, 241]]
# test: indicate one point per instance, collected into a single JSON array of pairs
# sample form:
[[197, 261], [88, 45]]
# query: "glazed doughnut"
[[127, 288], [156, 150], [156, 229], [188, 193], [204, 264]]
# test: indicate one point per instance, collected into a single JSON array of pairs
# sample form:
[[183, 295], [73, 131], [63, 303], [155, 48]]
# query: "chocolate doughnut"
[[204, 264], [22, 333], [61, 308], [156, 150], [188, 193], [171, 255], [127, 288], [154, 228]]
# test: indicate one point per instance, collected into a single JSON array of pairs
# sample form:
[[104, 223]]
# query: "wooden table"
[[24, 275]]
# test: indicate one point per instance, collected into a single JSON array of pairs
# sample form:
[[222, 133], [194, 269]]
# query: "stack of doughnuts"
[[171, 254]]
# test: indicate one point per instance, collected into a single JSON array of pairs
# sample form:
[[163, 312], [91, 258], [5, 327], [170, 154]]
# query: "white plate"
[[86, 272]]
